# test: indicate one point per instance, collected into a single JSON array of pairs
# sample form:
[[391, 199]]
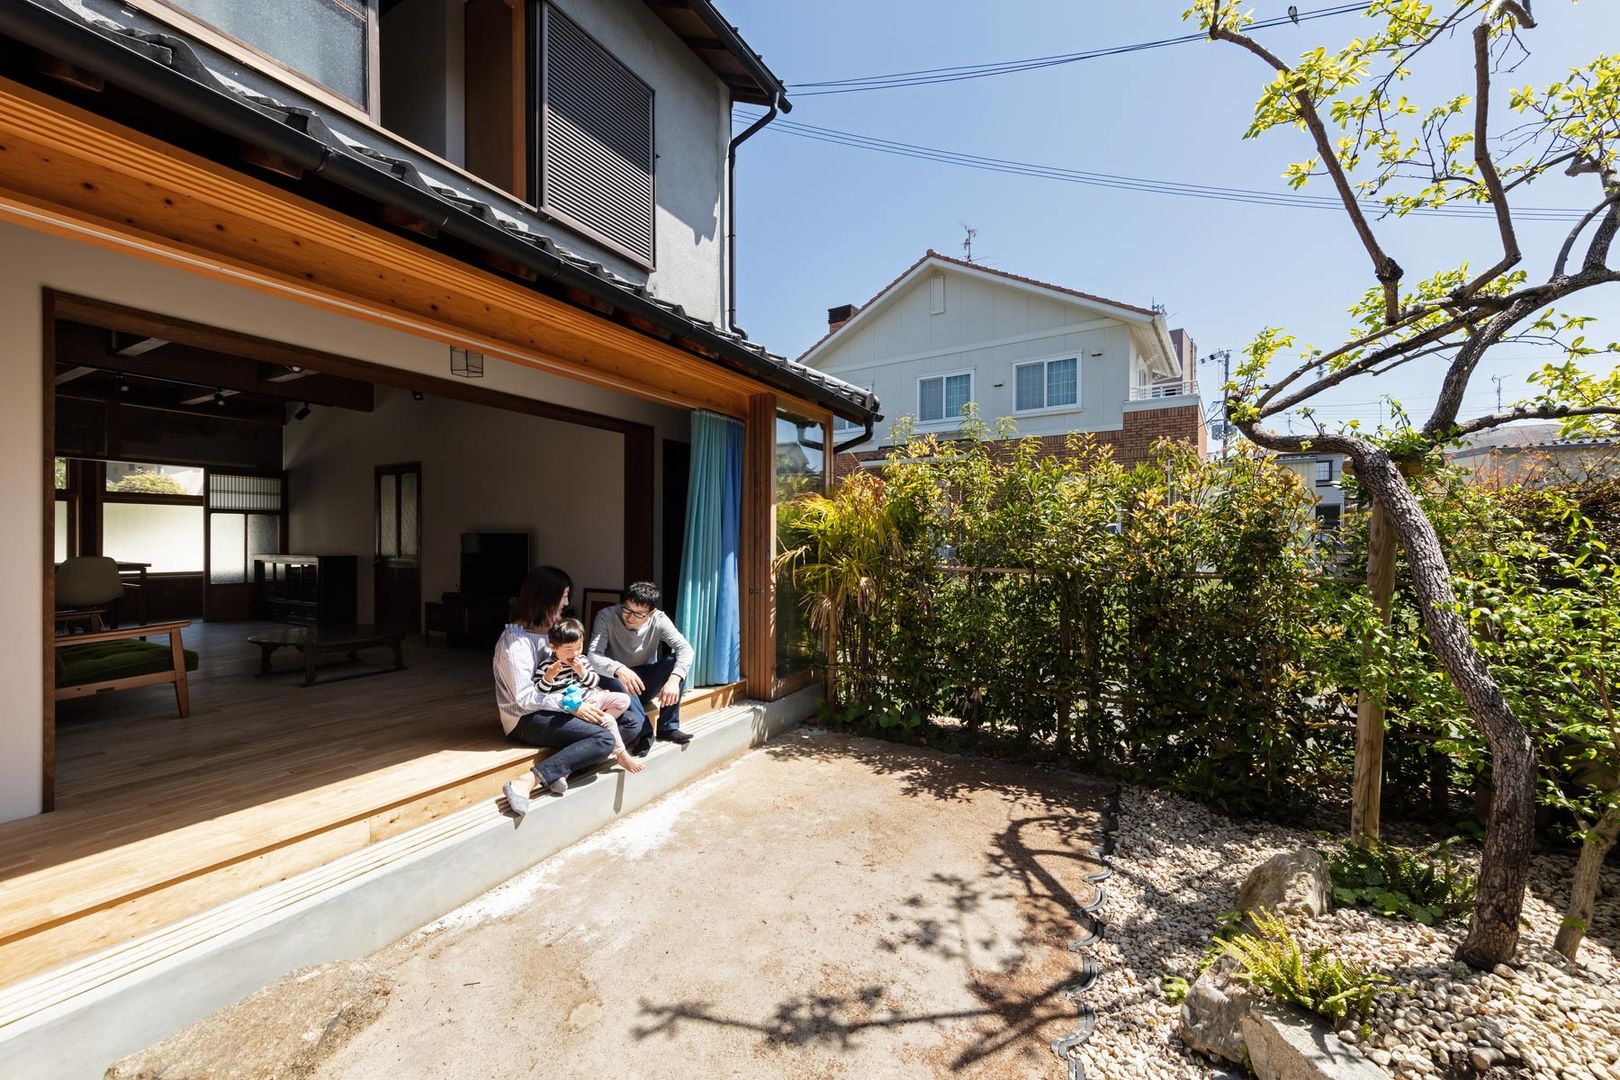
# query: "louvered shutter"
[[596, 119]]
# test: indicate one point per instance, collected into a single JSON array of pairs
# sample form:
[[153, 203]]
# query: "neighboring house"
[[947, 334], [1322, 475], [1535, 454], [348, 311]]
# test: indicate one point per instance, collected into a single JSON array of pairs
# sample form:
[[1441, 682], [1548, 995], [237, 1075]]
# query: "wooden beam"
[[70, 172], [759, 547]]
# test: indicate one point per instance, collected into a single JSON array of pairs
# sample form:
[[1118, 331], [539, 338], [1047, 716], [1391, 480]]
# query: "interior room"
[[225, 491]]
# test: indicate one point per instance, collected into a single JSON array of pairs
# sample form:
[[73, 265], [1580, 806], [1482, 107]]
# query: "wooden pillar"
[[759, 548], [1367, 796]]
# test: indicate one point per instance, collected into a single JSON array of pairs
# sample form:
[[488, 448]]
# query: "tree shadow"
[[1017, 976]]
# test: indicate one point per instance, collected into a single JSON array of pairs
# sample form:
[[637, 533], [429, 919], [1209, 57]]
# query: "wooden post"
[[1367, 796], [756, 578]]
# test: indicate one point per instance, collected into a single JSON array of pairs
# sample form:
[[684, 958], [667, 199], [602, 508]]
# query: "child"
[[567, 669]]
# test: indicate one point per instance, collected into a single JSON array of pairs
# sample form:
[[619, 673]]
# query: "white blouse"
[[518, 658]]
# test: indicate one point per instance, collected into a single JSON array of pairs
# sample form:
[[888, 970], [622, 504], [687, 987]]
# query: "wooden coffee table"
[[312, 642]]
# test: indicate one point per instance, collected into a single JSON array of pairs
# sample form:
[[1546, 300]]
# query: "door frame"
[[378, 472]]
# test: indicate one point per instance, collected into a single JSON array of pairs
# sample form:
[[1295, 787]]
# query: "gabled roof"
[[173, 94], [1130, 313]]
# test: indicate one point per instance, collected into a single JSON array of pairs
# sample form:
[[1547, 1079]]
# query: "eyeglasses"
[[632, 615]]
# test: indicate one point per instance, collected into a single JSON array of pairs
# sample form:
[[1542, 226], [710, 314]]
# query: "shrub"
[[1272, 961], [1425, 886]]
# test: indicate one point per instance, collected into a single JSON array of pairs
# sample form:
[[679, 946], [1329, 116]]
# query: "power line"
[[1010, 167], [963, 72]]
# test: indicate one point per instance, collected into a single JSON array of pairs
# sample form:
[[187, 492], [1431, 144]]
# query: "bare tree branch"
[[1574, 234], [1534, 412], [1486, 166], [1385, 269]]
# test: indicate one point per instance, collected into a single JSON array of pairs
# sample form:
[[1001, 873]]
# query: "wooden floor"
[[158, 818]]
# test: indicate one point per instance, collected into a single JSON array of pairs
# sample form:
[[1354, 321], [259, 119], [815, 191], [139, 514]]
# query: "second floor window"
[[943, 397], [326, 41], [1047, 384], [595, 161], [1324, 472]]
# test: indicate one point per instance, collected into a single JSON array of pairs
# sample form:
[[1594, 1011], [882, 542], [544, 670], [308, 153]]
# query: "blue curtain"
[[708, 609]]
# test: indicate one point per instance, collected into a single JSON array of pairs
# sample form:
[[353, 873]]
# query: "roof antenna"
[[967, 243]]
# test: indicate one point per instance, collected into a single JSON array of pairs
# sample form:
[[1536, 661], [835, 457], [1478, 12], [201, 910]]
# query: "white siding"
[[987, 328]]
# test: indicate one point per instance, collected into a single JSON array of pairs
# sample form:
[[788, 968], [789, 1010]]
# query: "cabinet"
[[318, 589]]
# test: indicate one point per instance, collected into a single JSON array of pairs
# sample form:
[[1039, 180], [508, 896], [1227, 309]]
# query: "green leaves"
[[1272, 961], [1424, 886]]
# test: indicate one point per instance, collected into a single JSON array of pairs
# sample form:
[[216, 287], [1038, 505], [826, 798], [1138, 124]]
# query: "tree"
[[1385, 156]]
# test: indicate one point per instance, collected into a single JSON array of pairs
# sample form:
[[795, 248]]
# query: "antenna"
[[967, 243], [1498, 380]]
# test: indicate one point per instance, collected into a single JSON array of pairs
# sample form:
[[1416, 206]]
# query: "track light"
[[219, 397], [416, 395], [303, 413]]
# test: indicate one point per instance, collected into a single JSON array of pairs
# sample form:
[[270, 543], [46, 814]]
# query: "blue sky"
[[820, 225]]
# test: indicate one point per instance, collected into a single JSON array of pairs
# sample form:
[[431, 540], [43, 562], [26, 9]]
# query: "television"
[[493, 564]]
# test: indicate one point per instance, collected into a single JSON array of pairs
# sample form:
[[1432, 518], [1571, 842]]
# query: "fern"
[[1273, 961], [1425, 886]]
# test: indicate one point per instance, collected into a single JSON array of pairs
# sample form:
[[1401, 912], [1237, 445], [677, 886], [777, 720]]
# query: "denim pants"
[[654, 676], [574, 743]]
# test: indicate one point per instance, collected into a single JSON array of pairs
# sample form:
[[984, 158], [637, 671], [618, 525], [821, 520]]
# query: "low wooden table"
[[314, 641]]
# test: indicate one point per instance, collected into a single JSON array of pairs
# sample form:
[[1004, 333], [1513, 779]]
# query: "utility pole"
[[1498, 380], [1218, 407]]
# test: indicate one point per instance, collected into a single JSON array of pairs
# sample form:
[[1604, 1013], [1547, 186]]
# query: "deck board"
[[158, 817]]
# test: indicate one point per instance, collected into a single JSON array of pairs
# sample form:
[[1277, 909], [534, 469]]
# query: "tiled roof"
[[475, 209], [931, 254]]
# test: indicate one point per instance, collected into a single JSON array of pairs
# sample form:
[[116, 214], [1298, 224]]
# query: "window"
[[1327, 517], [1324, 472], [843, 425], [943, 397], [325, 41], [153, 514], [800, 470], [595, 145], [1047, 384]]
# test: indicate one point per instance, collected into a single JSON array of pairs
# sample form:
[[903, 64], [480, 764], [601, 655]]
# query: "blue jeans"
[[574, 743], [654, 676]]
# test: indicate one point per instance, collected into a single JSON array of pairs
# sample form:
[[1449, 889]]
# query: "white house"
[[947, 333], [1322, 474]]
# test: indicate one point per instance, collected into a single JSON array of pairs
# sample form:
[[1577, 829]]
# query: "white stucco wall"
[[483, 470], [31, 261], [987, 329]]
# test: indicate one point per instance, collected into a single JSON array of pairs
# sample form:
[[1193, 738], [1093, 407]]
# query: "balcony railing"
[[1164, 390]]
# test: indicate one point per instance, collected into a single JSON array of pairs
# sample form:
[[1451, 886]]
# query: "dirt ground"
[[825, 907]]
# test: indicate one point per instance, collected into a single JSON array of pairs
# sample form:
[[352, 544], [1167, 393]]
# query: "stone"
[[1294, 883], [1286, 1044], [1213, 1012]]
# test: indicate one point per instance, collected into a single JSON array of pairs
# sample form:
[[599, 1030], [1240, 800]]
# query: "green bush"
[[1425, 886], [1272, 961]]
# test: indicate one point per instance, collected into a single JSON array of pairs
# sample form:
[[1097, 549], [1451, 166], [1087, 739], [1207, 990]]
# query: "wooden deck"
[[158, 818]]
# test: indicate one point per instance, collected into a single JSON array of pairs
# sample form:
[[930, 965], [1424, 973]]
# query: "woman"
[[577, 739]]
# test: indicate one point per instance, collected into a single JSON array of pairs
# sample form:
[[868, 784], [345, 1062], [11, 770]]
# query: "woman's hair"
[[566, 632], [541, 595]]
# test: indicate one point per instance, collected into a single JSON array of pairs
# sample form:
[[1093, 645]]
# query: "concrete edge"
[[75, 1021]]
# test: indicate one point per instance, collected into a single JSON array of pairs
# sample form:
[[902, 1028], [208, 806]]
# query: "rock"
[[1288, 884], [1213, 1011], [1286, 1044]]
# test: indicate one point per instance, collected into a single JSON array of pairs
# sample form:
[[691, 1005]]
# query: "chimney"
[[1182, 342], [838, 316]]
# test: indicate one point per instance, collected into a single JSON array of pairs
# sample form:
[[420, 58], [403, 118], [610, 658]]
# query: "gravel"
[[1178, 867]]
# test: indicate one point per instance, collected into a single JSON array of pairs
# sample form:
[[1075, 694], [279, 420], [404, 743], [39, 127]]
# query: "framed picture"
[[593, 601]]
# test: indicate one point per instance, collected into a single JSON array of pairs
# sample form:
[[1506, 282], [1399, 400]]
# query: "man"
[[628, 643]]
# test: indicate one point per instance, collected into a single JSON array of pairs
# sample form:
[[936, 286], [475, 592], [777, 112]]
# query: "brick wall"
[[1129, 445]]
